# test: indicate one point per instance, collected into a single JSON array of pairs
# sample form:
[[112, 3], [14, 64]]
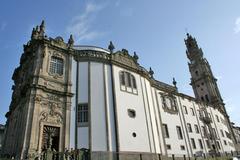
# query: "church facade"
[[105, 101]]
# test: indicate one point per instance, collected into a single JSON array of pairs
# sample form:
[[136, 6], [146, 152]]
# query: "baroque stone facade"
[[73, 96]]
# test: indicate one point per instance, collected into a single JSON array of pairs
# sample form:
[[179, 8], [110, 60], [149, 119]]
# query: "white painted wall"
[[83, 133], [127, 125], [97, 105], [173, 120], [149, 115], [83, 137]]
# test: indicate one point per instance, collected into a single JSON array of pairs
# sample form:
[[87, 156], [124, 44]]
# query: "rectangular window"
[[82, 113], [225, 142], [189, 127], [204, 131], [222, 133], [218, 145], [128, 79], [193, 113], [196, 128], [56, 65], [193, 143], [200, 143], [179, 132], [122, 78], [168, 146], [185, 109], [182, 147], [165, 131], [217, 118], [133, 82]]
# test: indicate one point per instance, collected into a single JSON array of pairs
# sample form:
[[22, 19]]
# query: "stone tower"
[[203, 82], [39, 112]]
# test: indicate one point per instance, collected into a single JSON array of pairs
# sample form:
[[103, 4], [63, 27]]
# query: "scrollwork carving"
[[169, 103], [51, 117]]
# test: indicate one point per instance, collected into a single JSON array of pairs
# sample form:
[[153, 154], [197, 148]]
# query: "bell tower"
[[203, 82]]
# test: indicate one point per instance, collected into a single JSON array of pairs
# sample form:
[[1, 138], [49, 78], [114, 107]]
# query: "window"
[[206, 97], [131, 113], [127, 82], [196, 72], [185, 109], [56, 65], [182, 147], [82, 113], [193, 143], [189, 127], [225, 142], [218, 145], [168, 146], [122, 78], [200, 143], [222, 133], [204, 131], [165, 131], [179, 132], [202, 98], [217, 118], [196, 128], [193, 114]]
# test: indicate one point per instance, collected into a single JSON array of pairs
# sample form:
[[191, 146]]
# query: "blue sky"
[[155, 29]]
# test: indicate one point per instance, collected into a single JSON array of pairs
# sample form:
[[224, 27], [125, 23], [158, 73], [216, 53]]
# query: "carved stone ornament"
[[51, 117], [169, 103]]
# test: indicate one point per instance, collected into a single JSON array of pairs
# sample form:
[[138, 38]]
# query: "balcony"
[[205, 119]]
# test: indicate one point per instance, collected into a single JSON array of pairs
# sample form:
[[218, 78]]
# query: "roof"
[[92, 48]]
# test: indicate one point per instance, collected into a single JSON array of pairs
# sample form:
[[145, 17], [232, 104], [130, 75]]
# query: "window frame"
[[165, 131], [83, 115], [128, 82], [193, 143], [56, 65], [189, 127], [179, 132], [196, 128]]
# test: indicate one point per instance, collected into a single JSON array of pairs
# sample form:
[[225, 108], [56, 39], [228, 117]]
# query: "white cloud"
[[237, 25], [81, 25], [3, 26]]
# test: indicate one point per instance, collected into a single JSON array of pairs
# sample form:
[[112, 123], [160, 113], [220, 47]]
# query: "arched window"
[[56, 65], [128, 82]]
